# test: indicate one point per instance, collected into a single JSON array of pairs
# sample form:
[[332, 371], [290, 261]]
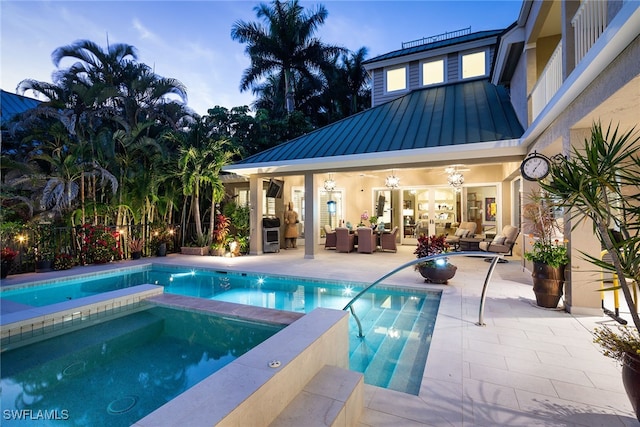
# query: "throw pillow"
[[462, 232], [499, 240]]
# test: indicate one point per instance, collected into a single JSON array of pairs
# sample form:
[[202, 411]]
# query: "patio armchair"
[[330, 237], [345, 242], [502, 243], [367, 240], [388, 240], [465, 229]]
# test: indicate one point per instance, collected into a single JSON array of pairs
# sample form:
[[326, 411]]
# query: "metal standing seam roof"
[[12, 104], [454, 114], [435, 45]]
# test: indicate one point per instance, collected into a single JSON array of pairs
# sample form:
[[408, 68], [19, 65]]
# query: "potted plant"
[[434, 271], [44, 246], [161, 241], [7, 255], [220, 233], [548, 249], [373, 220], [600, 182], [136, 244], [624, 347]]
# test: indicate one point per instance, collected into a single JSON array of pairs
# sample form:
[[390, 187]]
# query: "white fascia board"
[[514, 36], [461, 152], [619, 34]]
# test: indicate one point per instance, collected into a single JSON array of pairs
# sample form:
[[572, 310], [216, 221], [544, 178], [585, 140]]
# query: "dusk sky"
[[190, 40]]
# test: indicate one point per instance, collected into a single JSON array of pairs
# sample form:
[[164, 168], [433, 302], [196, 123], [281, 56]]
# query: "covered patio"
[[395, 161]]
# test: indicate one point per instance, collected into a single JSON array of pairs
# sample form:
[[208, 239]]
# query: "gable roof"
[[435, 45], [450, 118], [12, 104]]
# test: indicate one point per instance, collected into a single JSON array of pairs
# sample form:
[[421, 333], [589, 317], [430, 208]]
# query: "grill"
[[271, 234]]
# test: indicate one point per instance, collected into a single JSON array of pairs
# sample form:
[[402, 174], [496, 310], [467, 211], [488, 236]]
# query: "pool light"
[[347, 291]]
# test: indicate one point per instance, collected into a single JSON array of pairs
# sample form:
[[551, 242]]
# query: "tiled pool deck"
[[528, 366]]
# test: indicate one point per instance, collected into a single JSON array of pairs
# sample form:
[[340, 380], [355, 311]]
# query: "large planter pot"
[[548, 283], [631, 380], [162, 249], [43, 266], [4, 269], [136, 255], [194, 250], [438, 274], [218, 251]]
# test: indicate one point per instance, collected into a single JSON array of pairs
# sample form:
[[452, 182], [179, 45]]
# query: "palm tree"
[[201, 159], [286, 44]]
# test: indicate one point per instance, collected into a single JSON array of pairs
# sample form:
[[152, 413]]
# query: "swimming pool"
[[116, 372], [397, 323]]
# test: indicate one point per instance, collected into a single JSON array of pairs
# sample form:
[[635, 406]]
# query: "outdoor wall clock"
[[535, 166]]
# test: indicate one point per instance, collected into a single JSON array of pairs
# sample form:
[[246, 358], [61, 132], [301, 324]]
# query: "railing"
[[496, 257], [436, 38], [588, 23], [548, 84]]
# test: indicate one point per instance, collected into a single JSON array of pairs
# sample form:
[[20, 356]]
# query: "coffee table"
[[470, 243]]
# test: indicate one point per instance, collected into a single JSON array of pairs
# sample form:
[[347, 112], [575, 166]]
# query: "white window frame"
[[386, 79], [443, 60], [474, 52]]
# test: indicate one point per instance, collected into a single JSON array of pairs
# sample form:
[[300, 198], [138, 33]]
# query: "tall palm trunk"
[[290, 92]]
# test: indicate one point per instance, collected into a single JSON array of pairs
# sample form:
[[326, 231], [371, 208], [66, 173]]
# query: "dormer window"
[[396, 79], [432, 72], [474, 65]]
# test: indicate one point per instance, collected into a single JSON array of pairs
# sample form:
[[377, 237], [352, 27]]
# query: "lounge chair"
[[345, 242], [330, 240], [465, 229], [502, 243], [367, 240], [388, 240]]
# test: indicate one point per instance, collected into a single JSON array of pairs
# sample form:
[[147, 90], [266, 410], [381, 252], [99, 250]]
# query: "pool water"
[[116, 372], [397, 323]]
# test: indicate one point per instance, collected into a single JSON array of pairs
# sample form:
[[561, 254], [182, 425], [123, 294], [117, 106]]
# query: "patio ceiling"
[[470, 121]]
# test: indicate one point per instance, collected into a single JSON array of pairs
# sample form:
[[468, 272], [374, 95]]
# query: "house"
[[440, 143], [453, 116], [569, 64], [12, 104]]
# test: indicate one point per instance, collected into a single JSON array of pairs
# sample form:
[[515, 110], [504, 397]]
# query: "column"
[[256, 201], [310, 223]]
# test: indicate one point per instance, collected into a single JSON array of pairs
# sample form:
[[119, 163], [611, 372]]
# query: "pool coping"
[[226, 309]]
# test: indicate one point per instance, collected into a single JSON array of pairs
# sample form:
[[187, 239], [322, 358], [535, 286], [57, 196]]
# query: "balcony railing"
[[548, 84], [588, 23]]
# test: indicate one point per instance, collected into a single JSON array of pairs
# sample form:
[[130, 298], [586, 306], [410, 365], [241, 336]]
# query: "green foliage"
[[600, 182], [239, 216], [553, 253], [63, 261]]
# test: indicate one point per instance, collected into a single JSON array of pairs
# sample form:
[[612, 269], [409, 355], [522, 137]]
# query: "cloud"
[[143, 31]]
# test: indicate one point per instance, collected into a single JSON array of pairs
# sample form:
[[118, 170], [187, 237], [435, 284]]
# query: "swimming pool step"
[[388, 354], [334, 397]]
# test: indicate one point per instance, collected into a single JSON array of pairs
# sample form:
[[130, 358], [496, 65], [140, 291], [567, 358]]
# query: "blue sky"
[[190, 40]]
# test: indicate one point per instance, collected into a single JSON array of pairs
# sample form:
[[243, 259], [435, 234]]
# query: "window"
[[432, 72], [396, 79], [473, 65]]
